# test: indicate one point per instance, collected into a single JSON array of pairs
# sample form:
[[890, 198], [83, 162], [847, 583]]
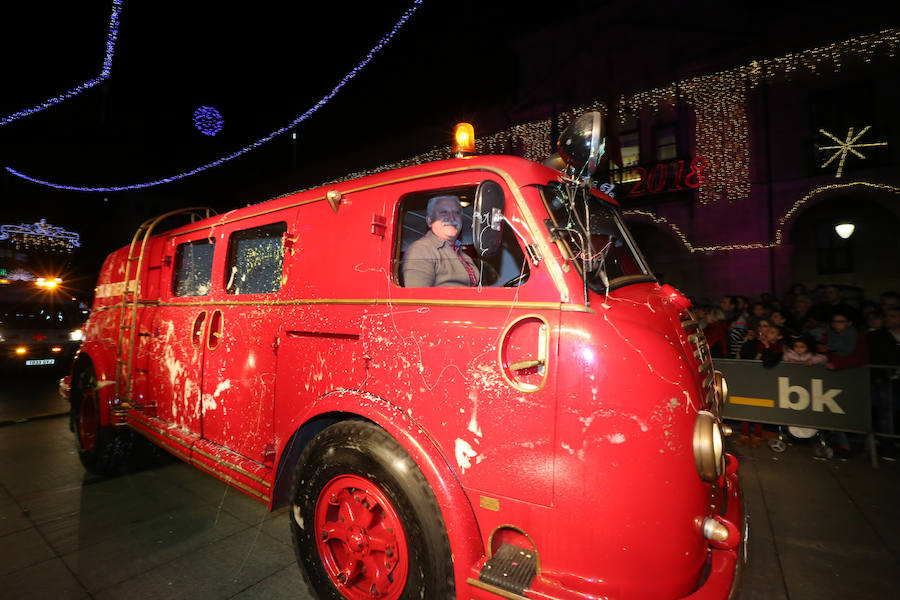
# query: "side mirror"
[[582, 144], [487, 218]]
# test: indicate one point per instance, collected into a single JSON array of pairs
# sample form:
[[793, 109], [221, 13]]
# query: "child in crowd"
[[764, 344], [798, 352], [758, 313], [715, 329]]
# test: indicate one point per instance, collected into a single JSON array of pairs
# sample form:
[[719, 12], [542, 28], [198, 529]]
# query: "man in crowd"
[[846, 347], [737, 324], [884, 355], [831, 304]]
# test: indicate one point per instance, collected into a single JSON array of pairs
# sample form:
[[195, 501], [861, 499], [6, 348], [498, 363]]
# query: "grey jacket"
[[430, 261]]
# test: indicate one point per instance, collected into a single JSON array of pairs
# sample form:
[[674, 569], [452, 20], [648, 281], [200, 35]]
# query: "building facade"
[[735, 171], [737, 140]]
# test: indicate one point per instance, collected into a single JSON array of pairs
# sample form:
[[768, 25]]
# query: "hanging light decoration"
[[112, 35], [719, 100], [208, 120], [844, 230], [40, 236], [384, 41], [782, 222]]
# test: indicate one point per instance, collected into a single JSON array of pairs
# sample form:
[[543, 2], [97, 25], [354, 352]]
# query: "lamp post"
[[845, 229]]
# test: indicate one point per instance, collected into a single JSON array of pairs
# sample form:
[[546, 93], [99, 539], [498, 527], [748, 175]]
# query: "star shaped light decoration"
[[845, 146]]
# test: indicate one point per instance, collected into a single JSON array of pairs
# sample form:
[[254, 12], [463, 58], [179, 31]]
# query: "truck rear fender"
[[102, 356]]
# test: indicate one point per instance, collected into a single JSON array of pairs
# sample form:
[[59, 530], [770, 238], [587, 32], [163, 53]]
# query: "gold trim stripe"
[[233, 467], [385, 302], [216, 459], [230, 480], [158, 430], [495, 590]]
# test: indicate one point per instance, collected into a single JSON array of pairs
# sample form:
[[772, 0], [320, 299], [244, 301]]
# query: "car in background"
[[40, 325]]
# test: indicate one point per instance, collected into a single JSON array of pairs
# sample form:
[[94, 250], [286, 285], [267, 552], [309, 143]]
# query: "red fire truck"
[[552, 431]]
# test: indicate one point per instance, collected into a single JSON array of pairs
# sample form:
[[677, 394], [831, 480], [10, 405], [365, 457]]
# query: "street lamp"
[[844, 230]]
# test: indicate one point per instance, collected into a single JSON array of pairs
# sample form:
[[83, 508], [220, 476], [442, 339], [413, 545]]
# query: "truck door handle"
[[523, 338], [526, 364], [215, 330], [197, 330]]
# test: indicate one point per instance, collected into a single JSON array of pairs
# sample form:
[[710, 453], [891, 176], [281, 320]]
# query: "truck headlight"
[[708, 447], [721, 389], [76, 335]]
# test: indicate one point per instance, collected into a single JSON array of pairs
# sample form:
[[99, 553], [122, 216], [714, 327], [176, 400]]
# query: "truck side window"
[[255, 260], [508, 267], [193, 268]]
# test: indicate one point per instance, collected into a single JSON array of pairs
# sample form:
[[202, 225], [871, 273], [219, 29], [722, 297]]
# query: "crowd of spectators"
[[846, 334], [819, 327]]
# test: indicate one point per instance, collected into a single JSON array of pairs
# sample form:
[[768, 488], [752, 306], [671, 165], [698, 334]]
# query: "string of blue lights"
[[111, 38], [324, 100]]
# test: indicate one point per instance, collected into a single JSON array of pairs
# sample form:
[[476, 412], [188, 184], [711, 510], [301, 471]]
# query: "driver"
[[437, 259]]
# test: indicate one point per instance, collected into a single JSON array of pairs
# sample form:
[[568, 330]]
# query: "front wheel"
[[365, 523], [102, 449]]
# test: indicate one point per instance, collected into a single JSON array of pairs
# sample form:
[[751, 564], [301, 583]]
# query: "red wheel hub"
[[361, 540], [88, 419]]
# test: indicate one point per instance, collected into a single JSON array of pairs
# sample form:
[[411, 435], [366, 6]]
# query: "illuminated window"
[[630, 140], [665, 140], [833, 254]]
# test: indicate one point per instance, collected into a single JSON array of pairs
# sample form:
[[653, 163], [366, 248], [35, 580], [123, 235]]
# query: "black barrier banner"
[[791, 394]]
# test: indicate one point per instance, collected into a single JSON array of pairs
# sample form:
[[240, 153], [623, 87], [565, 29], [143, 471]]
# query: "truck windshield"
[[595, 237], [37, 315]]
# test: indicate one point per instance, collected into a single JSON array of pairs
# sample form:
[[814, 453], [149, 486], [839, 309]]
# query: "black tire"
[[393, 541], [103, 450]]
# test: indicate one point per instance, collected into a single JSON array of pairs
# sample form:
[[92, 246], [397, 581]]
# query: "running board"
[[511, 570]]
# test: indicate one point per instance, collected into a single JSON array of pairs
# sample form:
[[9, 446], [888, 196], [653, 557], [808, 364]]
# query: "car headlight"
[[76, 335], [708, 447]]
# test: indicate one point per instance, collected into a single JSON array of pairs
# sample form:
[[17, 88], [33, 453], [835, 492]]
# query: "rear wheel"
[[365, 522], [103, 450]]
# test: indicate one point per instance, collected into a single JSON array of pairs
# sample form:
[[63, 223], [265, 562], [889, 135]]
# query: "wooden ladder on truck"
[[131, 294]]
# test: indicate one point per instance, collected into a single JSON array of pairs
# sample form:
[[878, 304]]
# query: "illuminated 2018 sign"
[[668, 177]]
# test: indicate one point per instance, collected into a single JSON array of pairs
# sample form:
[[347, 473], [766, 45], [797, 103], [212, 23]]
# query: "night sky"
[[260, 68]]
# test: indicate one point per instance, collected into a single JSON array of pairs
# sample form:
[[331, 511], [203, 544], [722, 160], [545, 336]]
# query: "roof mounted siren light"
[[581, 145], [463, 140]]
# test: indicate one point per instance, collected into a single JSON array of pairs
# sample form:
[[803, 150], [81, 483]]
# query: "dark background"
[[262, 65]]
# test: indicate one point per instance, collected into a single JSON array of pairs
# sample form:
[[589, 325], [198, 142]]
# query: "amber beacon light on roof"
[[463, 140]]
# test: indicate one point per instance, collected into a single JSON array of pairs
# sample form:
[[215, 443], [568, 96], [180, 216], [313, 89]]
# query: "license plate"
[[41, 361]]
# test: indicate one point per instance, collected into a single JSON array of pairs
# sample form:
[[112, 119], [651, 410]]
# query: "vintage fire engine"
[[551, 432]]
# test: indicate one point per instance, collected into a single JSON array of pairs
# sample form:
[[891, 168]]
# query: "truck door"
[[242, 337], [179, 329], [477, 363]]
